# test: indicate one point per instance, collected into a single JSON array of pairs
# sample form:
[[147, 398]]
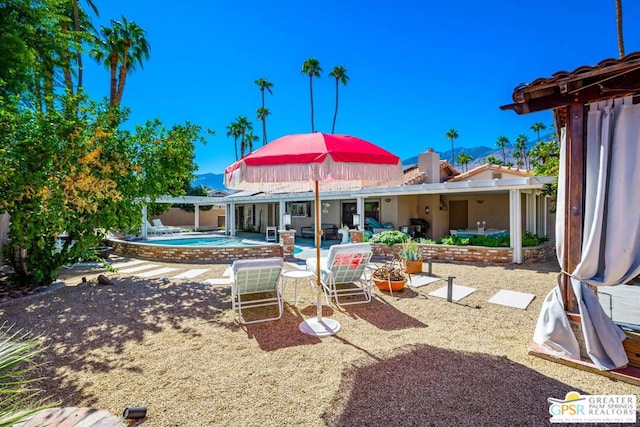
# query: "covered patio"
[[595, 107], [432, 202]]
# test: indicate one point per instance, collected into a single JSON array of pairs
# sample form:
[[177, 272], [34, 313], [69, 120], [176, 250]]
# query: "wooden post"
[[574, 198]]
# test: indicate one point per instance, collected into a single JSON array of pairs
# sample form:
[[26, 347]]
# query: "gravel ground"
[[410, 359]]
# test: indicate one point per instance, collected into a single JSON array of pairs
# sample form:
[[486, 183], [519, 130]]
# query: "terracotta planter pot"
[[385, 285], [412, 267]]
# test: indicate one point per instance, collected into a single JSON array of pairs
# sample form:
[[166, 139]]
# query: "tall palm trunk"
[[122, 76], [76, 24], [335, 113], [243, 146], [619, 28], [313, 129], [264, 130], [235, 145], [453, 154], [113, 68], [264, 121]]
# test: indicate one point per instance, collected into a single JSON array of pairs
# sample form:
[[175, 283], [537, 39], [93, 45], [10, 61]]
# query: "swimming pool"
[[198, 249], [203, 241]]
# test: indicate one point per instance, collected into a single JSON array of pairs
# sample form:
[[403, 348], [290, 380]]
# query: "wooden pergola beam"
[[574, 199]]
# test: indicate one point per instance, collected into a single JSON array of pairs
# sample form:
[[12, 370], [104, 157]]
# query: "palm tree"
[[452, 135], [249, 139], [494, 160], [503, 143], [234, 130], [543, 151], [311, 67], [521, 145], [464, 159], [340, 74], [261, 114], [518, 156], [245, 127], [619, 28], [122, 48], [263, 84], [78, 27], [537, 127]]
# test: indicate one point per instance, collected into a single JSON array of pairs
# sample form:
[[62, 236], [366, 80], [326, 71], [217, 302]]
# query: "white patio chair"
[[251, 277], [345, 265], [157, 223]]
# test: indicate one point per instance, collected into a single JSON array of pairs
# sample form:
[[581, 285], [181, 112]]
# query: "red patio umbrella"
[[300, 162]]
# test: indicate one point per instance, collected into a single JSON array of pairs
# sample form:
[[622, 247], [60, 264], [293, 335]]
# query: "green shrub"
[[410, 251], [389, 237], [19, 401]]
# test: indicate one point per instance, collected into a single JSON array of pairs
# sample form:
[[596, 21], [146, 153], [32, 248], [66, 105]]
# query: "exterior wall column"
[[231, 215], [282, 210], [360, 210], [515, 224], [531, 213], [196, 225], [287, 241], [543, 215]]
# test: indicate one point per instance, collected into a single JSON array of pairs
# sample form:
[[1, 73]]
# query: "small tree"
[[464, 159]]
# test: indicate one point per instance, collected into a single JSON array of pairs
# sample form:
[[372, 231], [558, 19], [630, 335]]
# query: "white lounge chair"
[[157, 223], [345, 264], [158, 230], [251, 277]]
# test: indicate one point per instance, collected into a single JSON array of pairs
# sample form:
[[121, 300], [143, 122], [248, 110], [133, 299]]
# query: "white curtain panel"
[[610, 249]]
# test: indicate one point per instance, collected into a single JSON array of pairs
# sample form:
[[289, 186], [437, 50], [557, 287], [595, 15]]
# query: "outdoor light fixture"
[[356, 220], [286, 219]]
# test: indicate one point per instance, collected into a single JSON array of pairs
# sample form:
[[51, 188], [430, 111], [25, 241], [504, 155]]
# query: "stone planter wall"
[[472, 254], [194, 254]]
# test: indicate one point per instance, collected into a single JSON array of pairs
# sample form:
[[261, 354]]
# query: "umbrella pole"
[[319, 326], [318, 243]]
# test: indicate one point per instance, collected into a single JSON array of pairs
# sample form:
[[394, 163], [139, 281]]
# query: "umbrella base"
[[320, 327]]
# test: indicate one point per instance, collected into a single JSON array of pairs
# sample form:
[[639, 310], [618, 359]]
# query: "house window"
[[372, 210], [298, 209], [496, 175]]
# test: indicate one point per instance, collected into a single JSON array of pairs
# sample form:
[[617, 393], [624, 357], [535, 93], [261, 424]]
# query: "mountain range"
[[479, 155]]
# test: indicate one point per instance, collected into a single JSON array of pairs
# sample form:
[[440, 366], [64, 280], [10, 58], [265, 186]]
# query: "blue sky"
[[416, 68]]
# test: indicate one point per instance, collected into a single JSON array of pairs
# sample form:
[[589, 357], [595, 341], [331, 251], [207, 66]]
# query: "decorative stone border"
[[472, 254], [194, 254]]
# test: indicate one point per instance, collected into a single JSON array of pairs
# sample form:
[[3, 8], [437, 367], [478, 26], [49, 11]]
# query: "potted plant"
[[390, 277], [411, 256]]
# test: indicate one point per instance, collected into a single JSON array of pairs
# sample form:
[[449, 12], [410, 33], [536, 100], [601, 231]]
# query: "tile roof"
[[489, 166], [609, 78]]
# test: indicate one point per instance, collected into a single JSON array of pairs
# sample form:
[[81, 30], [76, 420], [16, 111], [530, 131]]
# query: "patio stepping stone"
[[459, 292], [138, 268], [512, 299], [190, 274], [156, 272], [418, 280]]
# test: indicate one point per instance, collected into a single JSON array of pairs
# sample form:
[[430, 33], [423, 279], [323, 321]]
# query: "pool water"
[[209, 242], [202, 241]]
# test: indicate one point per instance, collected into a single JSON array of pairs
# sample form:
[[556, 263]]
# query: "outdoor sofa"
[[329, 231]]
